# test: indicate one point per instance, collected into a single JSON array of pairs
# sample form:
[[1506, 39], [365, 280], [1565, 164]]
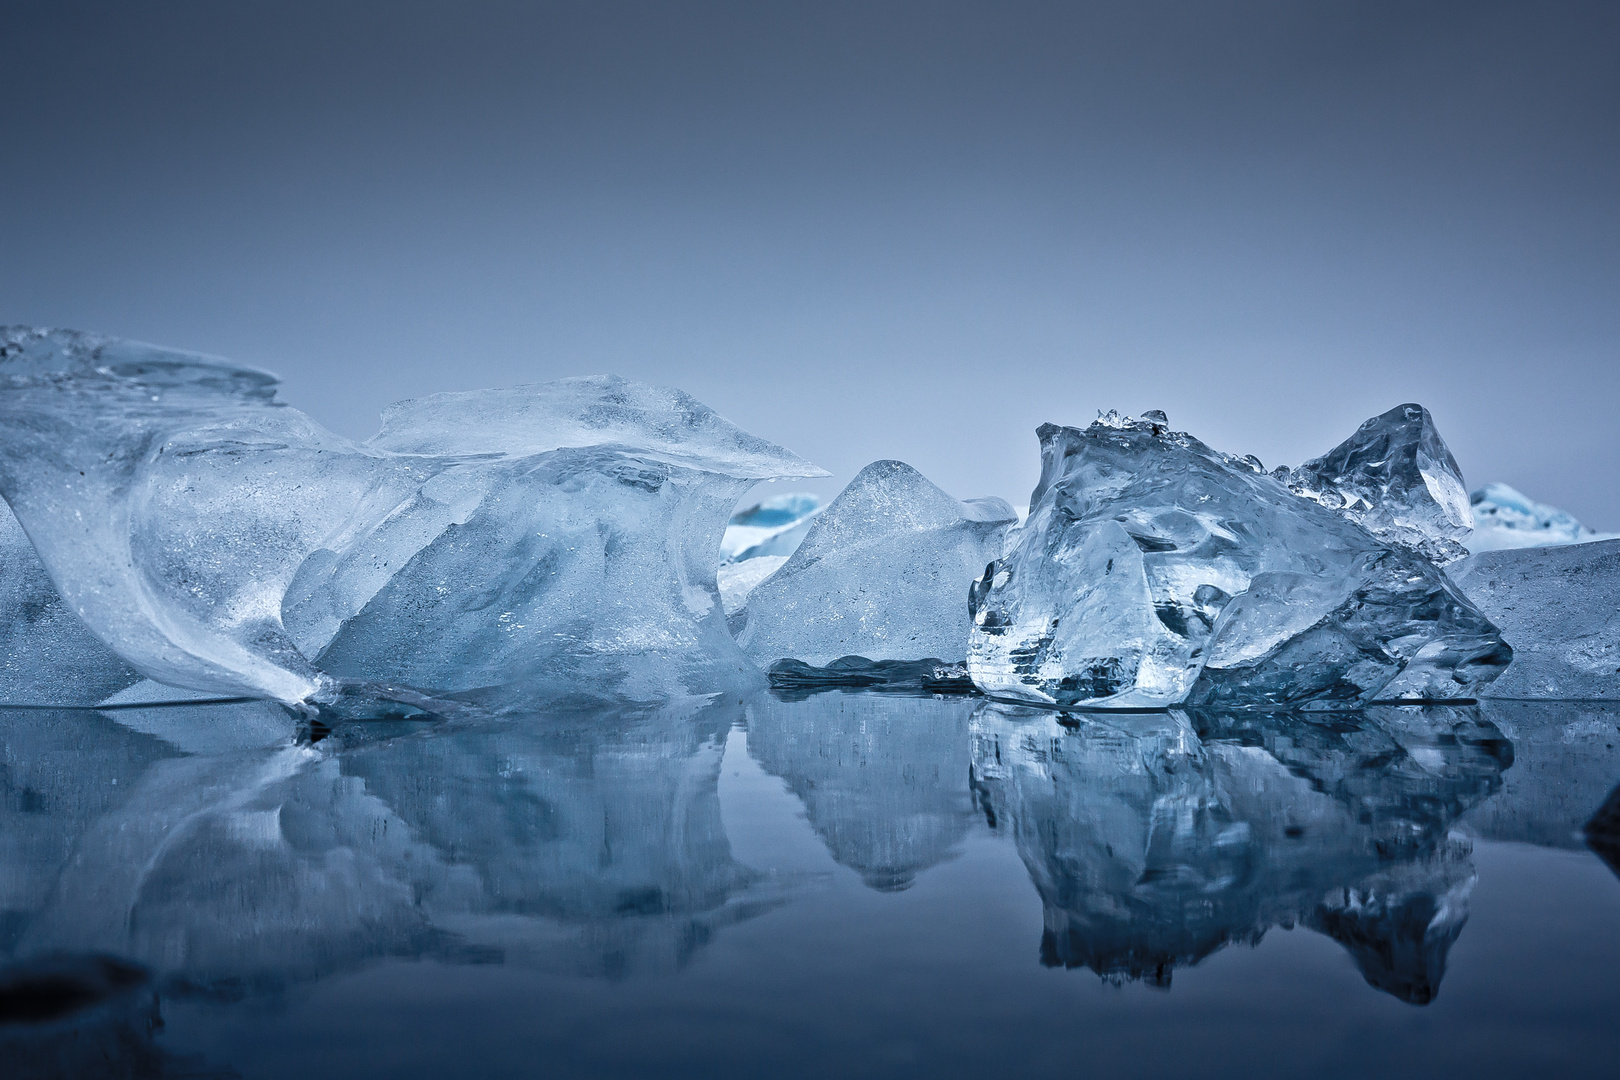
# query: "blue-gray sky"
[[865, 230]]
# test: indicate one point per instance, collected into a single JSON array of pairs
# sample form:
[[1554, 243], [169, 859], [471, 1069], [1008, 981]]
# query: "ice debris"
[[882, 574], [1504, 518], [1154, 570], [1559, 607], [1395, 478], [560, 534]]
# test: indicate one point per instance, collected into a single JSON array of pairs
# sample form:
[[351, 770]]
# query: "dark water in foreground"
[[851, 884]]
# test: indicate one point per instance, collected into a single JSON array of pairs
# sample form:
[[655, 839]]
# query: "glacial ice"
[[1395, 478], [1504, 518], [882, 574], [1154, 570], [219, 541], [1559, 607], [47, 656]]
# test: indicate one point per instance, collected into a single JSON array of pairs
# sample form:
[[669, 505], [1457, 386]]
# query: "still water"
[[845, 884]]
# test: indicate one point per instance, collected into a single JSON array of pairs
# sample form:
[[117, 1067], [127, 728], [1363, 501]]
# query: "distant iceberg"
[[1506, 518]]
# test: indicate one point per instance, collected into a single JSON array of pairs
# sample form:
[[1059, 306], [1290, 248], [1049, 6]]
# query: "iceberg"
[[1395, 478], [1504, 518], [220, 541], [1153, 570], [1559, 607], [882, 574]]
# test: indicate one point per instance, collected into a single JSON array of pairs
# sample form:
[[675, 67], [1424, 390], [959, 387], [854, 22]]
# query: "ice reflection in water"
[[234, 859], [1156, 839]]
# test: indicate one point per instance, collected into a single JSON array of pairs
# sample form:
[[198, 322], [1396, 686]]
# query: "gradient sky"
[[863, 230]]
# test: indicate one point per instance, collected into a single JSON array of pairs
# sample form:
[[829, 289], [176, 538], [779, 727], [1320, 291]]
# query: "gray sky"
[[863, 230]]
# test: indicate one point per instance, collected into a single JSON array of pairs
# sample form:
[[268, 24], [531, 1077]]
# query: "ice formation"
[[1559, 607], [1504, 518], [1395, 478], [882, 574], [1154, 570], [47, 656], [555, 534]]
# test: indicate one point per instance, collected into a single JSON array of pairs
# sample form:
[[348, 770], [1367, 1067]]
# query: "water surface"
[[853, 884]]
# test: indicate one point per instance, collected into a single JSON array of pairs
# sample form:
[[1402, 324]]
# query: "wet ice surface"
[[836, 883]]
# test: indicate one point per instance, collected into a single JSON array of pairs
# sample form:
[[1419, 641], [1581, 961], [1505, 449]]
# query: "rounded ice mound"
[[882, 574]]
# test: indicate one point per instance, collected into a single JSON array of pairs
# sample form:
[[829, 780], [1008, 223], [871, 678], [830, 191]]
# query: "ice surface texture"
[[1395, 478], [882, 573], [217, 540], [1154, 570], [1504, 518], [1559, 607], [47, 656]]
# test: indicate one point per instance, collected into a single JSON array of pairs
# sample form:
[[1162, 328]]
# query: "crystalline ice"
[[1154, 570], [1395, 478], [772, 527], [1559, 607], [217, 540], [172, 501], [1504, 518], [882, 574], [585, 559], [47, 656]]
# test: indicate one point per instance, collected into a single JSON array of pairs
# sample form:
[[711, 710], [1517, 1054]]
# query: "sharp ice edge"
[[881, 574], [1395, 478], [1153, 570], [551, 537]]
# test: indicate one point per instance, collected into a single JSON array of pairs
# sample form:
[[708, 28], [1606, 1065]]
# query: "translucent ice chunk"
[[883, 574], [1504, 518], [1559, 607], [569, 566], [217, 540], [47, 655], [172, 501], [1395, 478], [1120, 588]]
